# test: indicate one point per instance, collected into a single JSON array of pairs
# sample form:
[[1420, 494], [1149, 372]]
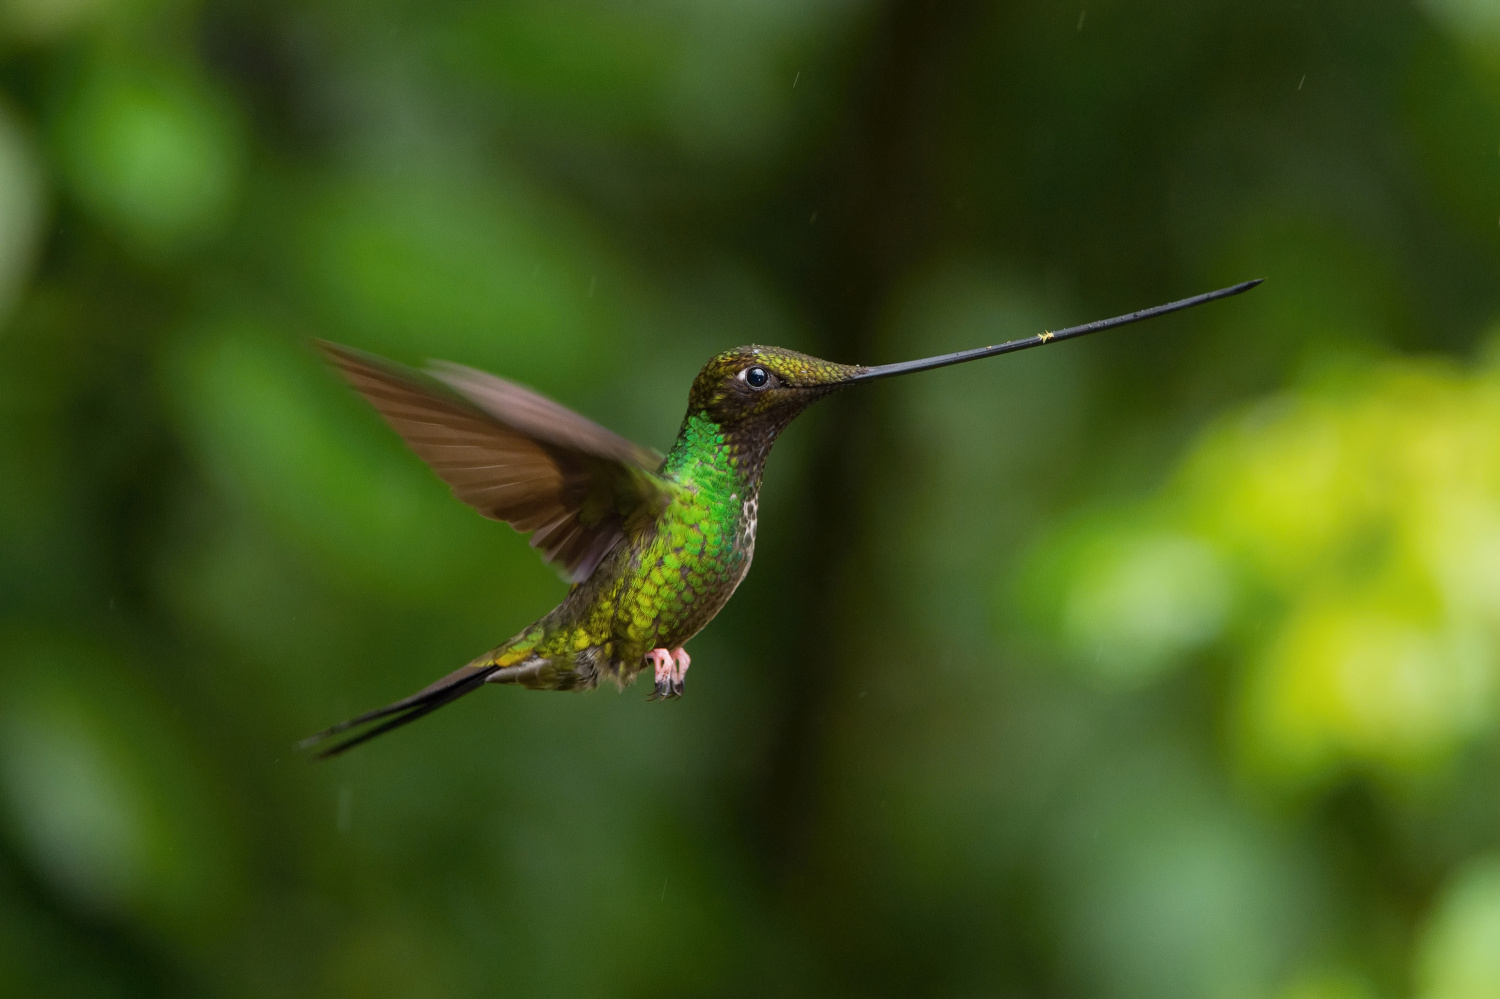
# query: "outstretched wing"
[[516, 456]]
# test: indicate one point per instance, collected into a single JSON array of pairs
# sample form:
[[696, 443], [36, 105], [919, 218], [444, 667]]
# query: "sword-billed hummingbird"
[[654, 546]]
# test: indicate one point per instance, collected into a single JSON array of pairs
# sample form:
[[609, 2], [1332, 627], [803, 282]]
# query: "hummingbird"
[[653, 545]]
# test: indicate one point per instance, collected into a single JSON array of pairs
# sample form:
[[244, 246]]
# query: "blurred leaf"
[[1349, 530], [1475, 20], [1366, 683], [151, 150], [1460, 948], [105, 795], [46, 20], [1140, 603], [22, 209]]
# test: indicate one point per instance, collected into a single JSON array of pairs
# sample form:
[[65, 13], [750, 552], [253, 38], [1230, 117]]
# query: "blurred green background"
[[1165, 664]]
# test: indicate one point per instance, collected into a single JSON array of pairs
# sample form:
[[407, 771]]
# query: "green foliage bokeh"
[[1161, 664]]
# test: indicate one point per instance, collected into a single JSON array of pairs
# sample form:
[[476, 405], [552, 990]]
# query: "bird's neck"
[[709, 456]]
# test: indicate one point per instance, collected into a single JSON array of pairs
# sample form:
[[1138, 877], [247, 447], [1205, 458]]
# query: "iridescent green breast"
[[660, 588], [687, 568]]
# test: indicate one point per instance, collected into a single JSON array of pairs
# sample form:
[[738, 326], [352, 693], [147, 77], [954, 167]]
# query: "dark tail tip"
[[402, 712]]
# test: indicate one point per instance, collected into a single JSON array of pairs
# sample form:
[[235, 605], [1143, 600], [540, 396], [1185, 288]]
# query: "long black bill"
[[1050, 336]]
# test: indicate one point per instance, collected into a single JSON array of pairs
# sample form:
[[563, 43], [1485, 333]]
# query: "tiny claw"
[[662, 662], [680, 663], [670, 666]]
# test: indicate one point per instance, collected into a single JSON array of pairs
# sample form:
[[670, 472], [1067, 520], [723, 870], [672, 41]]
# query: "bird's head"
[[763, 387]]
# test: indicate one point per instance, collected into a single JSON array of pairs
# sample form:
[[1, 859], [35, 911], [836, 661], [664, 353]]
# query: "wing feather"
[[517, 456]]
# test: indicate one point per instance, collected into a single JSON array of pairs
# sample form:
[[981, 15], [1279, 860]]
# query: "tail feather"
[[407, 710]]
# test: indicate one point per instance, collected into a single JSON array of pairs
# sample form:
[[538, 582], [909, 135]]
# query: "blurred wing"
[[516, 456]]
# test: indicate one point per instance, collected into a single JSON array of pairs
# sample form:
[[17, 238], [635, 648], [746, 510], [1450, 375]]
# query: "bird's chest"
[[687, 572]]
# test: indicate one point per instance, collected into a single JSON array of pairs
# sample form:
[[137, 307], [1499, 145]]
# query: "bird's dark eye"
[[756, 377]]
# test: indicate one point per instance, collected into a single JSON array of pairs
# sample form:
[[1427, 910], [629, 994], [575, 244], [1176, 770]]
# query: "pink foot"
[[671, 666]]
